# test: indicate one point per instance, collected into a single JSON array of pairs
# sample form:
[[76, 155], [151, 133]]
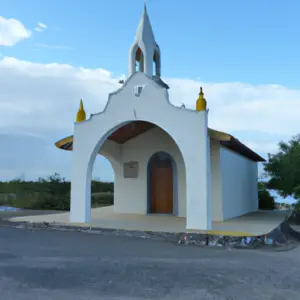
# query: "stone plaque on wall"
[[131, 169]]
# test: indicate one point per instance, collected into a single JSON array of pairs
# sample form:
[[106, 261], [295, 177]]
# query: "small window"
[[138, 90]]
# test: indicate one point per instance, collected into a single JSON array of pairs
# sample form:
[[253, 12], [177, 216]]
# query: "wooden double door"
[[161, 184]]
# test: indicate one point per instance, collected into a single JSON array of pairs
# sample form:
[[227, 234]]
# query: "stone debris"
[[274, 238], [269, 241]]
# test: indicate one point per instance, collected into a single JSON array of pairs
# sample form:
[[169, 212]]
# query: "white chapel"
[[165, 158]]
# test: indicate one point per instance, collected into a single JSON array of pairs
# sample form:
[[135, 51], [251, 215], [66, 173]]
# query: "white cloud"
[[12, 31], [243, 107], [264, 147], [39, 104], [40, 27], [56, 47]]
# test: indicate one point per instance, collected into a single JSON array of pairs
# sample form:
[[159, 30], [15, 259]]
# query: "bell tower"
[[144, 54]]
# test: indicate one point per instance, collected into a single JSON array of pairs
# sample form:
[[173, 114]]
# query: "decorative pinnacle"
[[201, 102], [81, 115], [201, 91], [81, 105]]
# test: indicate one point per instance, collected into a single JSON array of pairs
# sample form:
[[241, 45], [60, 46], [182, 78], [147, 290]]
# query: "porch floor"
[[256, 223]]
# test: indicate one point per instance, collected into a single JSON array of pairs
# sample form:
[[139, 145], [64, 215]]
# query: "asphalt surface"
[[45, 264]]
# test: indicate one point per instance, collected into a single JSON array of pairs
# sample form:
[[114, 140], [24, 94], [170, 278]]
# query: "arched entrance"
[[162, 184]]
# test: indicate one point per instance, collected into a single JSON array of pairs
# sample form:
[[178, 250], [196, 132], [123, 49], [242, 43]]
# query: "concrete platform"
[[253, 224]]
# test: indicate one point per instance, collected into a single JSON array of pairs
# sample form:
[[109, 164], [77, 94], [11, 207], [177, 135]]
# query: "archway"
[[157, 63], [115, 141], [139, 60], [102, 183], [162, 185]]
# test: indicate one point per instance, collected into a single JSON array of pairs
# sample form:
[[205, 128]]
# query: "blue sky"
[[247, 41], [244, 53]]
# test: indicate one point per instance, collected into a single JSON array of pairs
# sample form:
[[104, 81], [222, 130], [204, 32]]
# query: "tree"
[[262, 185], [265, 200], [283, 169]]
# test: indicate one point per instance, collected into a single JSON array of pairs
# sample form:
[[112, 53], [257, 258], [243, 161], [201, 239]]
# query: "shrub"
[[265, 200], [51, 193], [102, 199], [41, 200]]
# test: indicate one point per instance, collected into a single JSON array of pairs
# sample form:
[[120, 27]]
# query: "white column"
[[197, 165], [131, 60], [148, 61], [80, 210]]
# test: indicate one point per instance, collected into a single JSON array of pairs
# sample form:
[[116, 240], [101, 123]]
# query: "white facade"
[[151, 106], [131, 194], [210, 183], [216, 181], [239, 184], [233, 177]]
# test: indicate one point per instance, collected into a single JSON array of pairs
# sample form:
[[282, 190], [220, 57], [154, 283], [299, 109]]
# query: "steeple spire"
[[144, 31], [81, 116], [144, 49]]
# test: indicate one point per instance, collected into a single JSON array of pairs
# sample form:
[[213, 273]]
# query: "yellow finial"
[[81, 113], [201, 102]]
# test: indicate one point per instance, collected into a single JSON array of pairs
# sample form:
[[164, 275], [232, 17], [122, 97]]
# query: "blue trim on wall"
[[175, 181]]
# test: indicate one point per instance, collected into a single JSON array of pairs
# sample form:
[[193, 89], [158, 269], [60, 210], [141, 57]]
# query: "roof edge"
[[232, 143], [219, 135]]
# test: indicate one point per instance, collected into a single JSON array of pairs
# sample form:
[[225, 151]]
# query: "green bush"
[[265, 200], [102, 199], [102, 187], [40, 200], [3, 202], [51, 193], [6, 198]]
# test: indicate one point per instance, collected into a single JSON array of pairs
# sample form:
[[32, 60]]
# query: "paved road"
[[46, 264]]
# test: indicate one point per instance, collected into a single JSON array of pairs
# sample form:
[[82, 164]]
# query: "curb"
[[282, 238]]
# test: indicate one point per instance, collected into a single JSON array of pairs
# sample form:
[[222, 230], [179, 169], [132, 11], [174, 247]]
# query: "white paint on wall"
[[131, 193], [228, 178], [216, 181], [111, 150], [239, 184], [187, 128]]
